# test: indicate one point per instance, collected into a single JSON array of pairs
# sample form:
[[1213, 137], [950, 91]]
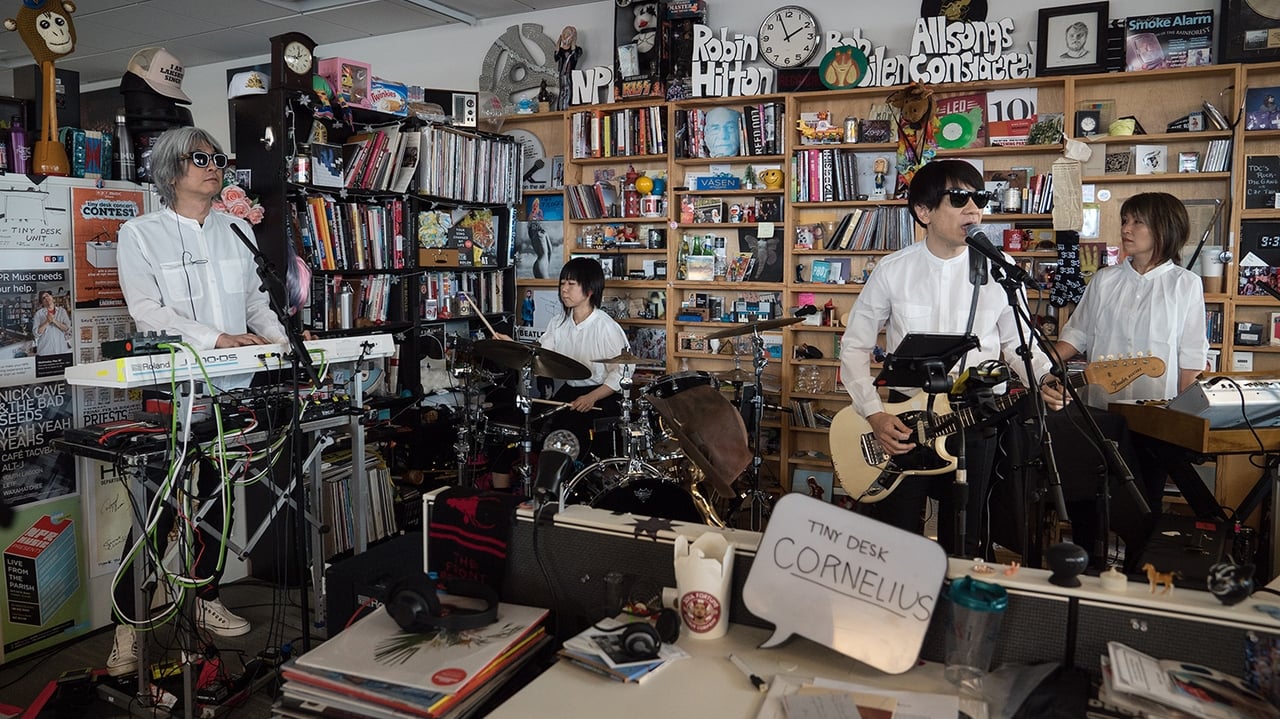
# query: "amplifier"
[[1227, 402]]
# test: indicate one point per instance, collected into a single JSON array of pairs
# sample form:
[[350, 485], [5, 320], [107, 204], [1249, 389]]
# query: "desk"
[[706, 685], [1192, 433]]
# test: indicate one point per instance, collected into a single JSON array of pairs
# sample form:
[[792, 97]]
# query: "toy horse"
[[1157, 578], [45, 26]]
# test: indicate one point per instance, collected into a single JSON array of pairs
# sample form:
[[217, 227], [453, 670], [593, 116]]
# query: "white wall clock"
[[789, 37]]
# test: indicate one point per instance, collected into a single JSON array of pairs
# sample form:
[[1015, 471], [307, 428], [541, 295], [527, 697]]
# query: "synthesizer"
[[1225, 402], [148, 370]]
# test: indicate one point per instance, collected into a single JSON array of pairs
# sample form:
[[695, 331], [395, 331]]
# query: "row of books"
[[373, 668], [457, 165], [839, 175], [885, 227], [335, 501], [381, 159], [1217, 158], [703, 133], [619, 133], [592, 202], [1213, 326], [1039, 194], [353, 235], [376, 300]]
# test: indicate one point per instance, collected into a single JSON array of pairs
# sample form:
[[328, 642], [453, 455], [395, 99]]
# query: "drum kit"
[[677, 435]]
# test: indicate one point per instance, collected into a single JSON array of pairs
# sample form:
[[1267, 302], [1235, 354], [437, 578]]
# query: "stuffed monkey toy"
[[45, 26], [917, 131]]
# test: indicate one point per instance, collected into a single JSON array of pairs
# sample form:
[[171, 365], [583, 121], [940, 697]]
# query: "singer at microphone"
[[977, 239]]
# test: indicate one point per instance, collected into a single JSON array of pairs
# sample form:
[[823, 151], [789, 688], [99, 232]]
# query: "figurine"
[[1230, 583], [880, 167], [772, 179], [749, 179], [1156, 578], [526, 309], [567, 54], [545, 98]]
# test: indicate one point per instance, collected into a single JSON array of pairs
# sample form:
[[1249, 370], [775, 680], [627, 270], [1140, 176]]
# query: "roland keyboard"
[[147, 370]]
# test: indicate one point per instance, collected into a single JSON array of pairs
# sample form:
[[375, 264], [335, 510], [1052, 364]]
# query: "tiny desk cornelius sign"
[[856, 585]]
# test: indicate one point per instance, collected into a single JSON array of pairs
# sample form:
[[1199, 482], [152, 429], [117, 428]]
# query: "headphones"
[[642, 640], [414, 604]]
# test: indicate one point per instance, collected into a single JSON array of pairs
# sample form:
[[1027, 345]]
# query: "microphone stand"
[[276, 295], [1012, 286]]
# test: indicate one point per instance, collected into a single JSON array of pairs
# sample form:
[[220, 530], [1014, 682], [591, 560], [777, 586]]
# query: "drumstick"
[[555, 402], [479, 314]]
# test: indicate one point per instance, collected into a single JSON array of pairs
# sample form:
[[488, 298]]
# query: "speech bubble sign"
[[849, 582]]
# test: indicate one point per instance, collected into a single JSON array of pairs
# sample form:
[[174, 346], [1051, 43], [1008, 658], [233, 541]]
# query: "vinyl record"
[[535, 172], [955, 131], [1266, 8]]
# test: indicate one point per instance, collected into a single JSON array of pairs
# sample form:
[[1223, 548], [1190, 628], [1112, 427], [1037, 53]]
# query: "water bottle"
[[346, 307], [125, 165], [19, 150]]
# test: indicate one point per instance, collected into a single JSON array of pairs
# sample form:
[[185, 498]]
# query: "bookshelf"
[[1156, 98]]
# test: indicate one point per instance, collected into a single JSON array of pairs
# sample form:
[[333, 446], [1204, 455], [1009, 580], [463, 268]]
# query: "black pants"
[[205, 547], [595, 444]]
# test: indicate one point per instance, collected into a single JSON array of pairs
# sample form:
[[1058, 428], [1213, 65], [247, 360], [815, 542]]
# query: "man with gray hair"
[[184, 271]]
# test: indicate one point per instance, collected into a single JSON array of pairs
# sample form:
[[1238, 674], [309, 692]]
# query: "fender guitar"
[[869, 473]]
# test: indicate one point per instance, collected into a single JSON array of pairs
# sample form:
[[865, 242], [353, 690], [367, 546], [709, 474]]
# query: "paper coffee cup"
[[1211, 269]]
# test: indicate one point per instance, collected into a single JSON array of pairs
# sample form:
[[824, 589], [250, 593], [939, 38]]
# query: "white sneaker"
[[214, 616], [124, 652]]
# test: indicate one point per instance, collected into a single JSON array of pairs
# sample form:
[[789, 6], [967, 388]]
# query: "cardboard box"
[[351, 80], [389, 97]]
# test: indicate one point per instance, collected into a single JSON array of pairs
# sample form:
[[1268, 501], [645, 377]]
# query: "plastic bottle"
[[19, 150]]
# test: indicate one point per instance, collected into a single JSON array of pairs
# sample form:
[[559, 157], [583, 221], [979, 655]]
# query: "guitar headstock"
[[1115, 373]]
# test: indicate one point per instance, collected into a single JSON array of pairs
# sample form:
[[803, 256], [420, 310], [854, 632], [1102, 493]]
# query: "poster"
[[31, 417], [35, 304], [1181, 39], [46, 592], [539, 252], [96, 217], [32, 217]]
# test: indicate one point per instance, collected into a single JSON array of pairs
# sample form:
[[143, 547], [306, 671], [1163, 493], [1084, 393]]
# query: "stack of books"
[[598, 649], [376, 669]]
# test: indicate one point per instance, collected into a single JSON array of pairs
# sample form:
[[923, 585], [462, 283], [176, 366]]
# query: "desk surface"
[[705, 685]]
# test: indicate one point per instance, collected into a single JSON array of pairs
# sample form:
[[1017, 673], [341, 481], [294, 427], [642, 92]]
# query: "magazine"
[[1192, 688]]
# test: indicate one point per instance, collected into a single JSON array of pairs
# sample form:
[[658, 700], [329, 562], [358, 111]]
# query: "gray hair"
[[167, 162]]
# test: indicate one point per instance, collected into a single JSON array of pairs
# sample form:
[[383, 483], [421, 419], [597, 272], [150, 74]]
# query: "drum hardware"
[[758, 501], [754, 328]]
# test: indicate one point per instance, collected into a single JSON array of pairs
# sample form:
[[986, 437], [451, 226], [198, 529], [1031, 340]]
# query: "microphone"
[[533, 169], [977, 239]]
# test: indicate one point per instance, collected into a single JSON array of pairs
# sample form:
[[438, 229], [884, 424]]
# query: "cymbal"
[[736, 375], [544, 362], [757, 326], [625, 358]]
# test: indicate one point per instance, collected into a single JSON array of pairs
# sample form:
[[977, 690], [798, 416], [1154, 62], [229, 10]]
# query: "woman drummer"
[[584, 333]]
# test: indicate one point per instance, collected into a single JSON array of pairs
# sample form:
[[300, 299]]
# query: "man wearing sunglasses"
[[184, 271], [932, 286]]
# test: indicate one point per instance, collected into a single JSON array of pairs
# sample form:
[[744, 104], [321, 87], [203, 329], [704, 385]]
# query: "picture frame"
[[813, 482], [557, 172], [1246, 36], [1072, 39]]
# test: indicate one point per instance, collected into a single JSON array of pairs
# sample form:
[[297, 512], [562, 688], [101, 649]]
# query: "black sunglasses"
[[960, 198], [201, 159]]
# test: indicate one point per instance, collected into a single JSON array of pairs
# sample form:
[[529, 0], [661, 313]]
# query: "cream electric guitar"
[[871, 474]]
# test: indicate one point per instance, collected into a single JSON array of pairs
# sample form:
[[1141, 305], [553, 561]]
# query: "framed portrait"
[[815, 483], [1072, 39], [1249, 31], [557, 171]]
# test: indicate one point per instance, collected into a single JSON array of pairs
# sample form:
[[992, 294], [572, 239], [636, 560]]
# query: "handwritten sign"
[[1261, 181], [848, 582]]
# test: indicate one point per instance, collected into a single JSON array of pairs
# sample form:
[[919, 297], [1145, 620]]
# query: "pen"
[[756, 681]]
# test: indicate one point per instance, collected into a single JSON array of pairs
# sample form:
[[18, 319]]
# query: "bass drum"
[[624, 485]]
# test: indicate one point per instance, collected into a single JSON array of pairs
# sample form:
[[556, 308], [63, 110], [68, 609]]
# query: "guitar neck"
[[952, 422]]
